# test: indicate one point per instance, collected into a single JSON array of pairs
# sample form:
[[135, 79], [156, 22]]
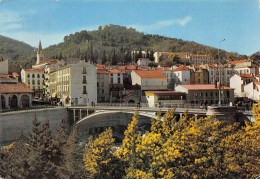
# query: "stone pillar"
[[19, 98], [74, 115], [7, 102], [30, 100], [196, 117], [87, 112], [80, 114], [180, 116]]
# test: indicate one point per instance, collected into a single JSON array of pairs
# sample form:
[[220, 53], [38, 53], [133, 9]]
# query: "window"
[[211, 94], [111, 80], [118, 74], [84, 71], [38, 75], [97, 84], [33, 82], [42, 75], [119, 80], [84, 79], [28, 76], [201, 94], [84, 90], [33, 75], [38, 82]]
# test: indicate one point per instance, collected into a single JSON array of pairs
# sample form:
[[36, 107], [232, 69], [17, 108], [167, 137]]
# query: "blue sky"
[[205, 21]]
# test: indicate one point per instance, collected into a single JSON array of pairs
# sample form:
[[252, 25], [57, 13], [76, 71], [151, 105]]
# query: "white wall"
[[236, 82]]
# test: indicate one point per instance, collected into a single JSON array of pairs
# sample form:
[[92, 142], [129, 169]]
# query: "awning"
[[54, 95]]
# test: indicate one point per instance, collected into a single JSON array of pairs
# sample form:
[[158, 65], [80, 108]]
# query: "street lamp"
[[219, 92]]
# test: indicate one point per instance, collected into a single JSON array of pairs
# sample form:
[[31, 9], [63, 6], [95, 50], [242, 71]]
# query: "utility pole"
[[219, 90]]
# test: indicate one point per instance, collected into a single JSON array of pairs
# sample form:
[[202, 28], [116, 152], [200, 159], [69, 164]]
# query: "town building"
[[252, 90], [13, 94], [181, 75], [199, 75], [148, 80], [109, 85], [206, 94], [34, 78], [158, 56], [238, 82], [143, 61], [198, 59], [165, 98], [74, 84]]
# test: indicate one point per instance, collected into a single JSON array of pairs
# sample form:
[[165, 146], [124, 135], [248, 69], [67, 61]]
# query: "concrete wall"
[[13, 123]]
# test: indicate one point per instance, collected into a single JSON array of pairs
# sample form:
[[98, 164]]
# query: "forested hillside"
[[16, 51], [112, 43]]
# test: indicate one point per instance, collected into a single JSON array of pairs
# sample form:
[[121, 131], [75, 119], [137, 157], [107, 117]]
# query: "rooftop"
[[15, 88], [203, 87], [164, 92], [33, 70], [245, 75], [150, 74], [181, 68]]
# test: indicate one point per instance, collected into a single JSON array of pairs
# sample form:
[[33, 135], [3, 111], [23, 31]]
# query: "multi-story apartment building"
[[199, 59], [34, 78], [206, 93], [199, 75], [109, 85], [74, 84]]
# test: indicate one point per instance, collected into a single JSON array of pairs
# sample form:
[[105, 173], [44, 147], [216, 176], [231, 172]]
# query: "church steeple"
[[40, 47], [40, 56]]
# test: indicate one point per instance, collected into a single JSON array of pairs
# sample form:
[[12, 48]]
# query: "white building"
[[149, 79], [238, 81], [199, 59], [252, 91], [182, 75], [245, 70], [143, 61], [160, 55], [74, 84], [34, 78]]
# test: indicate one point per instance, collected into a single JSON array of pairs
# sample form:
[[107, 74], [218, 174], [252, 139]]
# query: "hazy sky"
[[205, 21]]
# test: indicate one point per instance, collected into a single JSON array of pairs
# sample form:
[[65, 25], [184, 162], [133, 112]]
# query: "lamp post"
[[219, 92]]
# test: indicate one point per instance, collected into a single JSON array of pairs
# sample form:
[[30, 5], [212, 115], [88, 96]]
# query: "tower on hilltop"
[[40, 56]]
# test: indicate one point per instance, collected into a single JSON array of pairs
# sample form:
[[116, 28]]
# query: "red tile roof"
[[101, 66], [237, 61], [203, 87], [213, 66], [48, 62], [150, 74], [164, 92], [192, 55], [15, 88], [257, 83], [181, 68], [132, 67], [245, 75], [15, 74], [115, 71], [33, 70]]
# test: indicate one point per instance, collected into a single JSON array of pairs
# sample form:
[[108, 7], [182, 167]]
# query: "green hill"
[[115, 43], [16, 52]]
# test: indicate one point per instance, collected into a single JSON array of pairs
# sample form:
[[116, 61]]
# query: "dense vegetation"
[[16, 51], [171, 149], [110, 44], [114, 44]]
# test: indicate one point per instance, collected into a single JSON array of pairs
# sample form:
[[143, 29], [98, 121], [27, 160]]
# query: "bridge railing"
[[123, 104]]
